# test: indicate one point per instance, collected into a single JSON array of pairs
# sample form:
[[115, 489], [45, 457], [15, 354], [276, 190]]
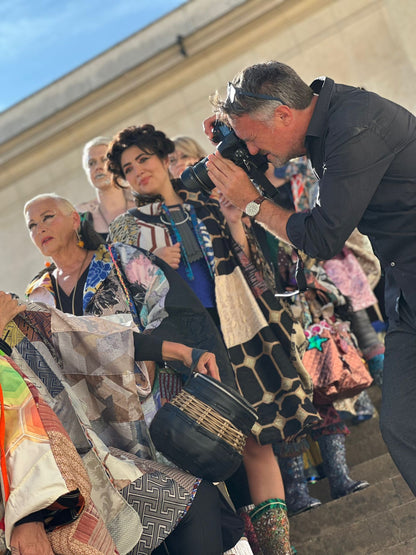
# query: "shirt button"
[[392, 264]]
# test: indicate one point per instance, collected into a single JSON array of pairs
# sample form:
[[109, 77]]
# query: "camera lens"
[[195, 178]]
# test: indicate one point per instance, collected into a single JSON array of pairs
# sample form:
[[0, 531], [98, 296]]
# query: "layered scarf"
[[264, 343]]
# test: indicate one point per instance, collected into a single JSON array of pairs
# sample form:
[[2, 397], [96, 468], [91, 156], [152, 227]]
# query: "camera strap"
[[272, 193]]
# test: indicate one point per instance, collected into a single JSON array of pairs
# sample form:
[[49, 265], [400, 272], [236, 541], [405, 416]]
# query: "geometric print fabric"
[[160, 502], [36, 361]]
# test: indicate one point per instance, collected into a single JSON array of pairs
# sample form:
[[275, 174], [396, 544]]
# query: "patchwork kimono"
[[87, 366], [41, 471]]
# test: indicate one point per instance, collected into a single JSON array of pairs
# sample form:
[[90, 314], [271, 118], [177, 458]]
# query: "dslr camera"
[[196, 178]]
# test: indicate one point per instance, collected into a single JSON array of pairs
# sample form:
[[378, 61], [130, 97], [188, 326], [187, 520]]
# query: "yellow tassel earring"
[[80, 242]]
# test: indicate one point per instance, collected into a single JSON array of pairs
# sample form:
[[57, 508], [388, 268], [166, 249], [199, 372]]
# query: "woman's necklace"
[[166, 222], [74, 290], [178, 238], [195, 226]]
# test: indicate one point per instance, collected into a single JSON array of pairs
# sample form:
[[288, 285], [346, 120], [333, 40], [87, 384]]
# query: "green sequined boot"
[[272, 527]]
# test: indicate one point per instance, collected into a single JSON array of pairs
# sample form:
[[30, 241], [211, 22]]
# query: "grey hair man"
[[363, 150]]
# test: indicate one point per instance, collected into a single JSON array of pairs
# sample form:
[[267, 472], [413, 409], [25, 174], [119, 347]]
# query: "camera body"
[[196, 178]]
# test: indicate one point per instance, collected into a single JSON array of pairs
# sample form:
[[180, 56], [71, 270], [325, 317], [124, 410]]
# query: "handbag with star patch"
[[334, 363]]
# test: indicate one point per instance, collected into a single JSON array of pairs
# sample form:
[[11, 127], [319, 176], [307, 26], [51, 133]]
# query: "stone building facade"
[[164, 75]]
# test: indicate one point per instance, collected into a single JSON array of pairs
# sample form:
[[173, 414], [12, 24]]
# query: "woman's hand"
[[233, 217], [9, 308], [170, 254], [30, 539], [207, 364], [232, 214]]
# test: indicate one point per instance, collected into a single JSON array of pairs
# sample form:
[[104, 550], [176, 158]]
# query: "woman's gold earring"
[[80, 242]]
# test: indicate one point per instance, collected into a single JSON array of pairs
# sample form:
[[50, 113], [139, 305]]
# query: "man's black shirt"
[[363, 149]]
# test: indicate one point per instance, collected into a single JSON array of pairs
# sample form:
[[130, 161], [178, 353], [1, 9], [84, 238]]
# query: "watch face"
[[252, 208]]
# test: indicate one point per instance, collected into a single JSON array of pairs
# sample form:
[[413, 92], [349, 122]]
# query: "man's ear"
[[283, 115]]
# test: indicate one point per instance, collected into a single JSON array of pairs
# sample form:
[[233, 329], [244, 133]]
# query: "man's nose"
[[252, 149]]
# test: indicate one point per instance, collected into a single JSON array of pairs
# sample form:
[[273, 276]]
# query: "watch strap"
[[259, 199]]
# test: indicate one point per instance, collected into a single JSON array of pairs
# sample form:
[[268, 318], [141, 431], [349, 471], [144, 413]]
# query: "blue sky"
[[42, 40]]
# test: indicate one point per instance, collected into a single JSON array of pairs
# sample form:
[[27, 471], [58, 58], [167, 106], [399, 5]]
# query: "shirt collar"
[[324, 87]]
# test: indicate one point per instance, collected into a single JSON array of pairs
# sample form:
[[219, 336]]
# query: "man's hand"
[[231, 180], [171, 255], [30, 539], [208, 125], [235, 185], [9, 308]]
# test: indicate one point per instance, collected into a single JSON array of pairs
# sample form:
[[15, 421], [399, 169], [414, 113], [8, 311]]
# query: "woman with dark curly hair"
[[209, 248]]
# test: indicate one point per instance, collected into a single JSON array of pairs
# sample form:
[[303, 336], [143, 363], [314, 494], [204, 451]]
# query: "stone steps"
[[369, 521], [378, 520]]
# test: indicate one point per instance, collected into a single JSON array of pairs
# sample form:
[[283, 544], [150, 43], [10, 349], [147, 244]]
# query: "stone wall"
[[370, 43]]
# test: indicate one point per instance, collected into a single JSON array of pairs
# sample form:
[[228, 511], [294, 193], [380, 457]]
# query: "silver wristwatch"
[[253, 207]]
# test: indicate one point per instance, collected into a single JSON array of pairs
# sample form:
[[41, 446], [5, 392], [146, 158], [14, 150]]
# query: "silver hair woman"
[[99, 281]]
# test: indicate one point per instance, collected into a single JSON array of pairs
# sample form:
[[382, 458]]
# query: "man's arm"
[[354, 168], [236, 186]]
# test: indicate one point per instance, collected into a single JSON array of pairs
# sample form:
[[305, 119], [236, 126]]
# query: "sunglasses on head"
[[233, 92]]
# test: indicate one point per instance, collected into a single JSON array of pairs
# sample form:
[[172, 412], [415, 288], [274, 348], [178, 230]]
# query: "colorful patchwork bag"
[[335, 365]]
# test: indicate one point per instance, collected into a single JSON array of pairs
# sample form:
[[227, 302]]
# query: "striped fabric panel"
[[170, 385], [151, 236]]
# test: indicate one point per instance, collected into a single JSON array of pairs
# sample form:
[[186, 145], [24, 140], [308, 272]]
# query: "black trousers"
[[199, 532], [397, 417]]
